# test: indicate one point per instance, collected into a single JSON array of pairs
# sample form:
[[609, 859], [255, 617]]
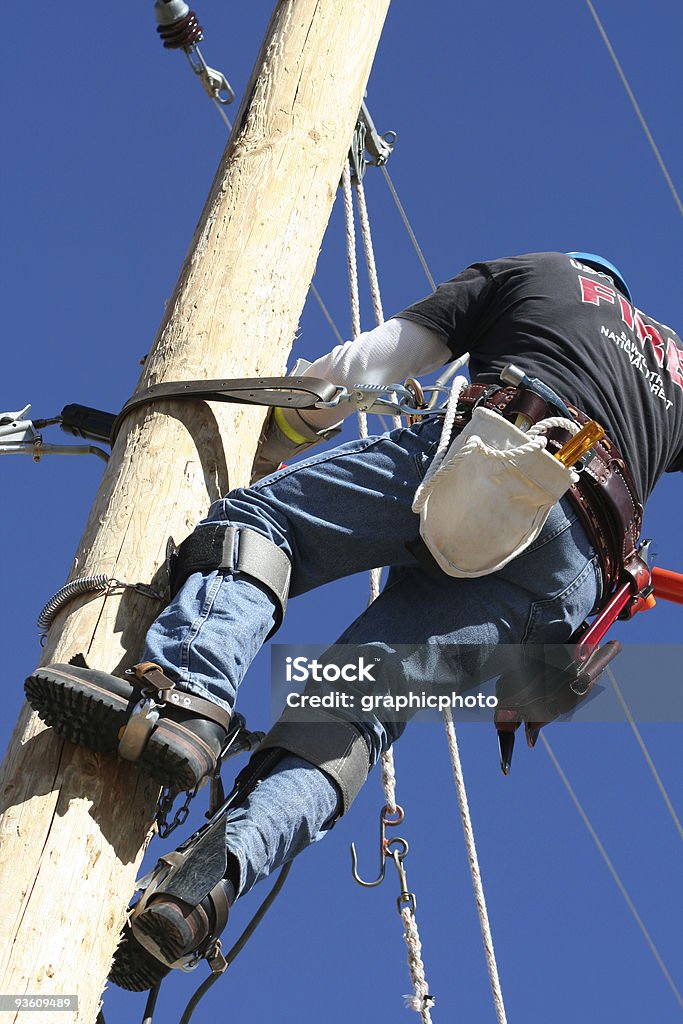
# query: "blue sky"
[[515, 134]]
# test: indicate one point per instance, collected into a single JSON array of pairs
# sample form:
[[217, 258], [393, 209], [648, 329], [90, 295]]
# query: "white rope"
[[354, 296], [388, 769], [473, 861], [421, 1001], [535, 435], [613, 871], [351, 262], [427, 485], [369, 253], [636, 107]]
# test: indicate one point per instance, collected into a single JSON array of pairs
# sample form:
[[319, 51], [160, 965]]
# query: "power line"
[[326, 313], [411, 233], [613, 871], [646, 753], [636, 107]]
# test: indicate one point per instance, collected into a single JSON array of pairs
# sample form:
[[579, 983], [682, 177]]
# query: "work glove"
[[285, 435]]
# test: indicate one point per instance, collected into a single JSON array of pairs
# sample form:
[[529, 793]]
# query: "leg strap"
[[331, 744], [236, 549]]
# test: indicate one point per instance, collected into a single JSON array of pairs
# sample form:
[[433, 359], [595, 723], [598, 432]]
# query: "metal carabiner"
[[407, 899], [385, 821]]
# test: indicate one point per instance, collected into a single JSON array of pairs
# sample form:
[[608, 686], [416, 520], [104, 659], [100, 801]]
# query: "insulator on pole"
[[177, 24], [179, 30]]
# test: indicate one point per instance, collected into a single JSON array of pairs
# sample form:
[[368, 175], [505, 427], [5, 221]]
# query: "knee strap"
[[235, 549], [331, 744]]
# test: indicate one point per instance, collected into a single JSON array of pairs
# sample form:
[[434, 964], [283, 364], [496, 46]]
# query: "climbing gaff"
[[385, 821]]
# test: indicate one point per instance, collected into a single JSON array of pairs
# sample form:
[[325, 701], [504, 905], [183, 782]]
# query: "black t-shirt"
[[568, 325]]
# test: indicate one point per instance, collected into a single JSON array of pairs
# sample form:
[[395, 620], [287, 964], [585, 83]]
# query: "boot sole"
[[160, 925], [94, 717], [134, 968]]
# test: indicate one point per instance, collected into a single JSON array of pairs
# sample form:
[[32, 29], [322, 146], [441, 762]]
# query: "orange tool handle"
[[668, 585]]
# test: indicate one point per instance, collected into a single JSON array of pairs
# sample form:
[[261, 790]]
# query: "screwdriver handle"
[[582, 442]]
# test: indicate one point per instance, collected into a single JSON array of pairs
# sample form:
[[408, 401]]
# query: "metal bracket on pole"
[[369, 148]]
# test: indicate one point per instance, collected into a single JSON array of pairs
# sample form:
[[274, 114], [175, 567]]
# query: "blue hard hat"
[[600, 263]]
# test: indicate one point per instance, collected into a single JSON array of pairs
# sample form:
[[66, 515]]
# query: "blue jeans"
[[344, 511]]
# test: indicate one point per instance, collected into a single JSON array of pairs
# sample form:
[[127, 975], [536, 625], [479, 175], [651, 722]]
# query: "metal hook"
[[385, 821], [215, 83]]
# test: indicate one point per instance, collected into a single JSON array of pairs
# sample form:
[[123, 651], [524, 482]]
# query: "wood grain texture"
[[74, 824]]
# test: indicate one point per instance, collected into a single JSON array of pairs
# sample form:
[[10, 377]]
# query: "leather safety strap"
[[234, 549], [285, 392]]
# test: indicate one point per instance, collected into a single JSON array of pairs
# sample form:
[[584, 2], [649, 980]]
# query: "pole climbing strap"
[[234, 549], [287, 392], [332, 744]]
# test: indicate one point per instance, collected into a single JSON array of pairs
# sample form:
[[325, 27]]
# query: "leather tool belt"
[[605, 497]]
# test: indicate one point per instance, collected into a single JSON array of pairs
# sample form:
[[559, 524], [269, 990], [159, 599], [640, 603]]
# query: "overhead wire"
[[406, 222], [646, 752], [636, 106], [612, 870], [219, 108], [326, 313]]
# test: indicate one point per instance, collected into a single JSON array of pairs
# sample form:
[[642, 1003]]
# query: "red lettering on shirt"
[[646, 332], [626, 311], [593, 291], [674, 362]]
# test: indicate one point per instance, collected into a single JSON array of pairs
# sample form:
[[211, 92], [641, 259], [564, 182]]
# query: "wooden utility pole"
[[74, 824]]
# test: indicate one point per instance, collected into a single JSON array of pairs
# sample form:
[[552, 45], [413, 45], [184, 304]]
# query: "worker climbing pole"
[[303, 99], [488, 432]]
